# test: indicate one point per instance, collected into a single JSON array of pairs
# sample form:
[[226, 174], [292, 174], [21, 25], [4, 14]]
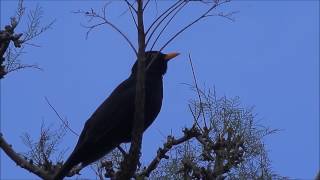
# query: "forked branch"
[[102, 20], [167, 146]]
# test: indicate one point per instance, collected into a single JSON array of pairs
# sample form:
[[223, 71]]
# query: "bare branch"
[[20, 161], [103, 20], [13, 63], [9, 61], [34, 28], [20, 11], [23, 66]]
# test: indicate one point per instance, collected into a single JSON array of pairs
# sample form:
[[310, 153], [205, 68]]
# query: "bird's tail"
[[67, 166]]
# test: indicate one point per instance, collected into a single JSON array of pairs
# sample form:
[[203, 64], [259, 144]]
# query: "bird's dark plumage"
[[111, 124]]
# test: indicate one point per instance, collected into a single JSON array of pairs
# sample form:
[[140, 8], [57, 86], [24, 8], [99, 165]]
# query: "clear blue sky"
[[269, 57]]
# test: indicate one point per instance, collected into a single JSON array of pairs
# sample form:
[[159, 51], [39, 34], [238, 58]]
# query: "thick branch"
[[129, 164], [6, 36]]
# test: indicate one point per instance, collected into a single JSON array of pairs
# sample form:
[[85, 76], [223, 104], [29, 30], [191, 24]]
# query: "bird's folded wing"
[[114, 111]]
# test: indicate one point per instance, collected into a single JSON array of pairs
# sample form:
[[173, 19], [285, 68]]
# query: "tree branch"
[[181, 6], [130, 7], [159, 17], [166, 13], [130, 162], [20, 161], [92, 14], [167, 146], [146, 4], [9, 60], [198, 92]]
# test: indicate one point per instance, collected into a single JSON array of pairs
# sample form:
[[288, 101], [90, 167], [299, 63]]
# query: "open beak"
[[170, 56]]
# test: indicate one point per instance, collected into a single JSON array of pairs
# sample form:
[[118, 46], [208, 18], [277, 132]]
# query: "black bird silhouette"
[[111, 124]]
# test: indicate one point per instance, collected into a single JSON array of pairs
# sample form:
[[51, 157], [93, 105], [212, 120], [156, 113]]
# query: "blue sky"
[[269, 57]]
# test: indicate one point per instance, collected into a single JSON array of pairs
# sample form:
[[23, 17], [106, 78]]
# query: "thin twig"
[[65, 123], [204, 15], [31, 44], [125, 11], [132, 15], [159, 17], [131, 5], [195, 118], [199, 96], [228, 16], [91, 14], [167, 13], [174, 15], [22, 66], [146, 4]]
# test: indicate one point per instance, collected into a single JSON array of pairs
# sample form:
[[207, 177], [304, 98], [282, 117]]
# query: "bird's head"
[[156, 62]]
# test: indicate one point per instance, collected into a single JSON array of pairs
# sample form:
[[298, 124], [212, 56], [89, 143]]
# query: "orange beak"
[[170, 56]]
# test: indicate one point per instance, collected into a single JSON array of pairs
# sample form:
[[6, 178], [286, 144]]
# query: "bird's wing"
[[110, 114]]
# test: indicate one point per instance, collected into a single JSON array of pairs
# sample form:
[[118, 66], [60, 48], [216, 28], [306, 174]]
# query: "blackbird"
[[111, 124]]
